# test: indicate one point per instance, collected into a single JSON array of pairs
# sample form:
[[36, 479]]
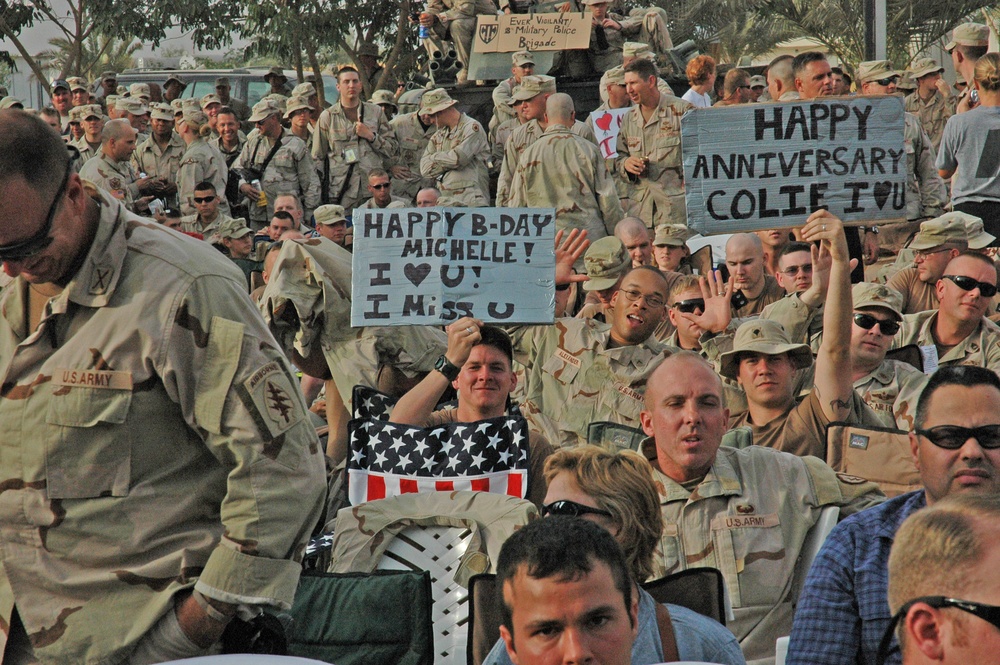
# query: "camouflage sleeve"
[[621, 146], [236, 389], [510, 157], [320, 142], [460, 9], [607, 195], [308, 181], [384, 142], [933, 194], [852, 493]]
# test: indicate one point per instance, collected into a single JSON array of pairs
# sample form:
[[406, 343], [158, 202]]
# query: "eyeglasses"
[[953, 437], [791, 271], [384, 185], [690, 306], [37, 243], [867, 321], [204, 199], [986, 290], [924, 253], [571, 509], [743, 87], [651, 300], [887, 81], [988, 613]]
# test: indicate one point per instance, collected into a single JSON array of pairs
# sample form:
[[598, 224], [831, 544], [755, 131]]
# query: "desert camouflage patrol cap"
[[873, 70], [968, 34], [978, 237], [132, 106], [139, 90], [766, 337], [330, 214], [949, 227], [77, 83], [614, 76], [531, 86], [674, 235], [605, 261], [870, 294], [758, 81], [161, 111], [384, 97], [263, 109], [233, 228], [304, 90], [636, 50], [522, 58]]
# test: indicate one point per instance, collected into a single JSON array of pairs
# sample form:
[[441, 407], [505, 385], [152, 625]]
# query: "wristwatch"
[[445, 366]]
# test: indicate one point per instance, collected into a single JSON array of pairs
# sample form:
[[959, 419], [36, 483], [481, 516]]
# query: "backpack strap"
[[666, 626]]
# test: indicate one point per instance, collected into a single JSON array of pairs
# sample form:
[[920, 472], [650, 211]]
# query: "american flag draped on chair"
[[388, 459]]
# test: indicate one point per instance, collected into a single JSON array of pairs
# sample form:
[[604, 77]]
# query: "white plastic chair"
[[810, 548], [438, 550]]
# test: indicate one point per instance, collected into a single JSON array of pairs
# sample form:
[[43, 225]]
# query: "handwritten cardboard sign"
[[507, 33], [606, 126], [429, 266], [763, 166]]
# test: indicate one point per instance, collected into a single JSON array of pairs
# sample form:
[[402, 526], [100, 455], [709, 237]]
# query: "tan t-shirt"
[[773, 292], [918, 296], [802, 430]]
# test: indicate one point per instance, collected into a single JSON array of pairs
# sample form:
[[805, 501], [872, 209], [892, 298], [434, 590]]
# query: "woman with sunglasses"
[[967, 153], [617, 491]]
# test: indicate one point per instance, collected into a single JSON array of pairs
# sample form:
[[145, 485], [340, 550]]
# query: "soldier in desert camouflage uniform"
[[166, 474], [563, 171], [456, 153], [746, 511], [929, 102]]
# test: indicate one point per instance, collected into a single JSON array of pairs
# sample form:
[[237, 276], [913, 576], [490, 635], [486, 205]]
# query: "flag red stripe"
[[408, 486], [444, 486], [481, 485], [376, 487]]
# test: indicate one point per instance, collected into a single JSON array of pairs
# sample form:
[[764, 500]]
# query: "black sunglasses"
[[204, 199], [690, 306], [37, 243], [382, 186], [571, 509], [867, 321], [953, 437], [887, 81], [988, 613], [986, 290]]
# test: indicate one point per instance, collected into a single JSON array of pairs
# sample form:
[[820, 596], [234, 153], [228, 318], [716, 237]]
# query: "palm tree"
[[95, 54]]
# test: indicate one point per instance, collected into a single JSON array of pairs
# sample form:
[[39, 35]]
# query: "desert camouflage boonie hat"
[[949, 227], [384, 97], [304, 90], [263, 109], [873, 70], [435, 101], [766, 337], [978, 237], [233, 228], [924, 66], [606, 261]]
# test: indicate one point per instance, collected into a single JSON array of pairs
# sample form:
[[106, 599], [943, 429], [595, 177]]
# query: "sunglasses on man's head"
[[690, 306], [953, 437], [867, 321], [571, 509], [965, 283]]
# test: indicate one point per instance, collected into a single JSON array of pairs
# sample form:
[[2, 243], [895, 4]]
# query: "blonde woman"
[[616, 490], [201, 162]]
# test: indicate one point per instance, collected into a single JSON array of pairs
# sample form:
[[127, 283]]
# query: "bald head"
[[743, 243], [117, 130], [559, 109], [634, 235]]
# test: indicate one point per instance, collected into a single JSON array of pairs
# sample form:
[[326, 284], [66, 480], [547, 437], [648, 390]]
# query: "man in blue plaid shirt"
[[844, 609]]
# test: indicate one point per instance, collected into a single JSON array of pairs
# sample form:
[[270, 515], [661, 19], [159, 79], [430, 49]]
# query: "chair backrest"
[[699, 589], [332, 618], [437, 550], [810, 547], [484, 617], [701, 261], [879, 454], [910, 354], [614, 437]]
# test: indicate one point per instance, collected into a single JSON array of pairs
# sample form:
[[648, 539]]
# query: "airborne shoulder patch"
[[270, 397], [851, 480]]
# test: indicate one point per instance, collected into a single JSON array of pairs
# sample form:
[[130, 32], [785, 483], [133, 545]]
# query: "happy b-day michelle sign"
[[764, 166], [430, 266]]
